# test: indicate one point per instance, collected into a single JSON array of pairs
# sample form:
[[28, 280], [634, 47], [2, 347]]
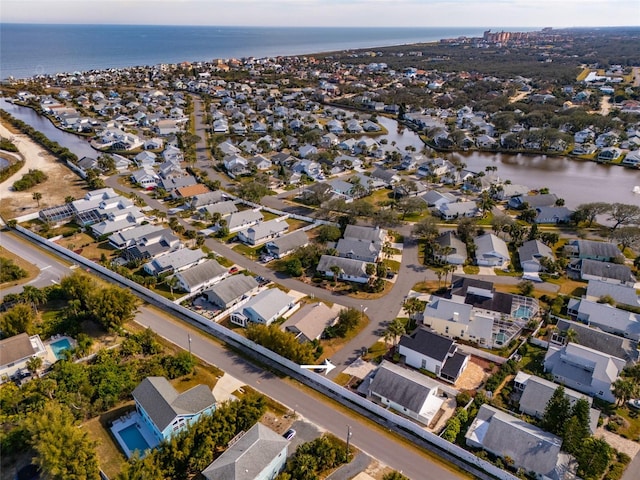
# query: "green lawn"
[[247, 251]]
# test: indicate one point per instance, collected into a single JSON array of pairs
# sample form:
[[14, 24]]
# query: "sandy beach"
[[62, 181]]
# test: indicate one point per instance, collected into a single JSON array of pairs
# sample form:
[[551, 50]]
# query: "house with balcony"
[[584, 369], [165, 411], [257, 454]]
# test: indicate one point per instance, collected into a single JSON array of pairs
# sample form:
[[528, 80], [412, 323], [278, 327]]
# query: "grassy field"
[[32, 270]]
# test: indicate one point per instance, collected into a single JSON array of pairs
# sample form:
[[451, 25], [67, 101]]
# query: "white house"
[[264, 308], [491, 251], [584, 369]]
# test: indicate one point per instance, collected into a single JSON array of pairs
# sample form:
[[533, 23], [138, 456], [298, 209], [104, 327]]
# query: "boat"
[[636, 189]]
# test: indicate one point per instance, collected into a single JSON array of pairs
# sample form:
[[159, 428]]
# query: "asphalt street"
[[51, 269], [312, 406], [370, 440]]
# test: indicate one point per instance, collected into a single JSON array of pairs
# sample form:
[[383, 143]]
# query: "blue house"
[[165, 411]]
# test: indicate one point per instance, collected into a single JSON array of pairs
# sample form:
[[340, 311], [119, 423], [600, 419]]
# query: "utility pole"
[[348, 441], [189, 337]]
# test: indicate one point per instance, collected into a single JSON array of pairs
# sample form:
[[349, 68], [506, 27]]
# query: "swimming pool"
[[133, 439], [60, 346], [523, 312]]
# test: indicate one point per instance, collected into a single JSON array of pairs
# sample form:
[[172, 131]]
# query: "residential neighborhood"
[[311, 221]]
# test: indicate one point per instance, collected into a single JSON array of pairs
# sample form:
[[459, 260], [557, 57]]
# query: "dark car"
[[289, 434]]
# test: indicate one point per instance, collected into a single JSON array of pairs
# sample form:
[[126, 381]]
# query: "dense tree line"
[[40, 138], [30, 179]]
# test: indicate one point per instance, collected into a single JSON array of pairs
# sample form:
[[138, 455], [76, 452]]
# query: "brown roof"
[[192, 190], [15, 348]]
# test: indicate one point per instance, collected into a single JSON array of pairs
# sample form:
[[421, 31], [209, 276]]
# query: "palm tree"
[[486, 203], [335, 269], [37, 196], [396, 328], [623, 390], [34, 364], [33, 295]]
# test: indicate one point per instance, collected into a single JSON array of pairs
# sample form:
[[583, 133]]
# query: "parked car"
[[289, 434], [233, 270], [635, 403]]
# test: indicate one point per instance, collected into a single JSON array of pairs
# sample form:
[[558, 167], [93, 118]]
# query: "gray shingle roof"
[[534, 249], [310, 321], [620, 293], [608, 343], [231, 288], [405, 387], [362, 249], [428, 343], [201, 273], [591, 249], [289, 242], [371, 234], [353, 268], [244, 460], [528, 446], [163, 403], [268, 303], [606, 270]]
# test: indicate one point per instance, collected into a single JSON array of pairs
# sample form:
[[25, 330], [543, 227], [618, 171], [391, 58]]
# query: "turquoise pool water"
[[133, 439], [523, 312], [60, 346]]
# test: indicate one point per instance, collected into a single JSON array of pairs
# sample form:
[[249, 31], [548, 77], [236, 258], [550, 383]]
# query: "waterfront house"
[[552, 215]]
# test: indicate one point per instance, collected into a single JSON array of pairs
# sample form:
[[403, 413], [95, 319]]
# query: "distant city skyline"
[[329, 13]]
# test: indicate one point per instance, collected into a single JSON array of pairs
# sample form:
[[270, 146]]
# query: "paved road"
[[51, 270], [311, 406], [365, 437]]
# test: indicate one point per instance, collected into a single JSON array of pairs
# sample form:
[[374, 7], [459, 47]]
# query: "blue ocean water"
[[27, 50]]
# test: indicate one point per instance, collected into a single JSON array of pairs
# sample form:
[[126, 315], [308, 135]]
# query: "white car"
[[635, 403]]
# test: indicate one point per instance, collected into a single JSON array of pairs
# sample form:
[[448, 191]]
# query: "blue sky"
[[391, 13]]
